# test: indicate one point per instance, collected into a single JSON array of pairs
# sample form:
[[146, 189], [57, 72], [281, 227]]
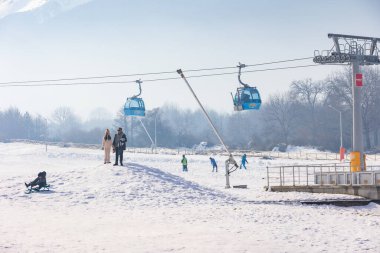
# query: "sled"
[[38, 189], [243, 186]]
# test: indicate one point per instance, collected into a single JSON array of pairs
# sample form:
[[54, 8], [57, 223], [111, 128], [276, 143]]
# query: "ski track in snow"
[[150, 205]]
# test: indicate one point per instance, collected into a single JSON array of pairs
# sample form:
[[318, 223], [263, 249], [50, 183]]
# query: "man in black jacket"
[[119, 145]]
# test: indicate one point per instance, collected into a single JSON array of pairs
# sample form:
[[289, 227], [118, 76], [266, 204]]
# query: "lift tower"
[[357, 51]]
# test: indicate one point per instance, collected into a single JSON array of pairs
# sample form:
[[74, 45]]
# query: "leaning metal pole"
[[230, 160], [357, 141], [147, 133]]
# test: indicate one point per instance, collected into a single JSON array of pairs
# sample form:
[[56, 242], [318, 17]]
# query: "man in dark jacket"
[[119, 145]]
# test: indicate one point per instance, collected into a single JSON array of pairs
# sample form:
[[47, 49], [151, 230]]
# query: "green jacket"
[[184, 161]]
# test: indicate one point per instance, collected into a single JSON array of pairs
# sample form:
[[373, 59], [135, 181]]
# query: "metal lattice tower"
[[350, 49], [357, 51]]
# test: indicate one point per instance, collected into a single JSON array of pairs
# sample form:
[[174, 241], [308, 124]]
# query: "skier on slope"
[[243, 161], [214, 165]]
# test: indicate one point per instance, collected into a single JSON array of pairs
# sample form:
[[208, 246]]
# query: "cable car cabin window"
[[134, 104], [255, 96], [246, 96]]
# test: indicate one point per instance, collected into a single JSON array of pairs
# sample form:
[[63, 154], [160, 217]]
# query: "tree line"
[[302, 115]]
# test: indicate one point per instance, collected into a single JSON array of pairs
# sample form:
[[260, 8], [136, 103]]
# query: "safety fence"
[[310, 155], [321, 174]]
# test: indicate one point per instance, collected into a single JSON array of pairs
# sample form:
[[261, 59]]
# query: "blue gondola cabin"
[[247, 98], [134, 106]]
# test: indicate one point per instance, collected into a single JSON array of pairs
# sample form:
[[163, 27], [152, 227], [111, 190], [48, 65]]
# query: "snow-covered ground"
[[150, 205]]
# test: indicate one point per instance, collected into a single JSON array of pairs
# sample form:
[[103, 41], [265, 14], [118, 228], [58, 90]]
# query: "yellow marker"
[[355, 161]]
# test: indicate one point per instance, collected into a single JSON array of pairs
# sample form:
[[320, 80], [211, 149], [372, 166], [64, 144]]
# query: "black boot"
[[27, 185]]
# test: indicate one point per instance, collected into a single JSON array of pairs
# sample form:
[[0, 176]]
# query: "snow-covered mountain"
[[43, 8]]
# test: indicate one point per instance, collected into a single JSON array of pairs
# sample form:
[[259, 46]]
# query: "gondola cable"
[[149, 73], [150, 80]]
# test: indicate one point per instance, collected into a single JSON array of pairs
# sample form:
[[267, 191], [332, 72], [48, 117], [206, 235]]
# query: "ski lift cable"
[[252, 71], [236, 72], [64, 84], [87, 78], [153, 80], [248, 65], [148, 73]]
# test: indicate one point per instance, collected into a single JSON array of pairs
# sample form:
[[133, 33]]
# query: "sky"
[[52, 39]]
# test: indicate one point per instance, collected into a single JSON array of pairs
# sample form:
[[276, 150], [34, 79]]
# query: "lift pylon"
[[357, 51]]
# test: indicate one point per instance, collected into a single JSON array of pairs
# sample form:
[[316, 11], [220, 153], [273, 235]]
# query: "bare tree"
[[309, 93], [280, 111], [63, 115], [339, 89], [64, 121], [370, 103], [340, 94]]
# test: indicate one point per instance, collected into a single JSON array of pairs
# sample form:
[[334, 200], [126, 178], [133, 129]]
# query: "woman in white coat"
[[107, 144]]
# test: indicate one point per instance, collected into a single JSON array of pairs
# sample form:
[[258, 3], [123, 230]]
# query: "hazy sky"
[[48, 39]]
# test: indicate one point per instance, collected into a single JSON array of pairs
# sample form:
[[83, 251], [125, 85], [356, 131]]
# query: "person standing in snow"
[[243, 161], [214, 165], [119, 145], [184, 163], [106, 146]]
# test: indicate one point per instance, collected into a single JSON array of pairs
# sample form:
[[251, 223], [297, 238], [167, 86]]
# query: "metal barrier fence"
[[318, 174], [300, 155], [310, 155]]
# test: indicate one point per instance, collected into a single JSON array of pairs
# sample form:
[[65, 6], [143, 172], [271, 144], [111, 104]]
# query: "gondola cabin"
[[134, 106], [247, 98]]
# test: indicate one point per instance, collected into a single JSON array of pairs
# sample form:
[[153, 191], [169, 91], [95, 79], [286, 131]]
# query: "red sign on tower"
[[359, 79]]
